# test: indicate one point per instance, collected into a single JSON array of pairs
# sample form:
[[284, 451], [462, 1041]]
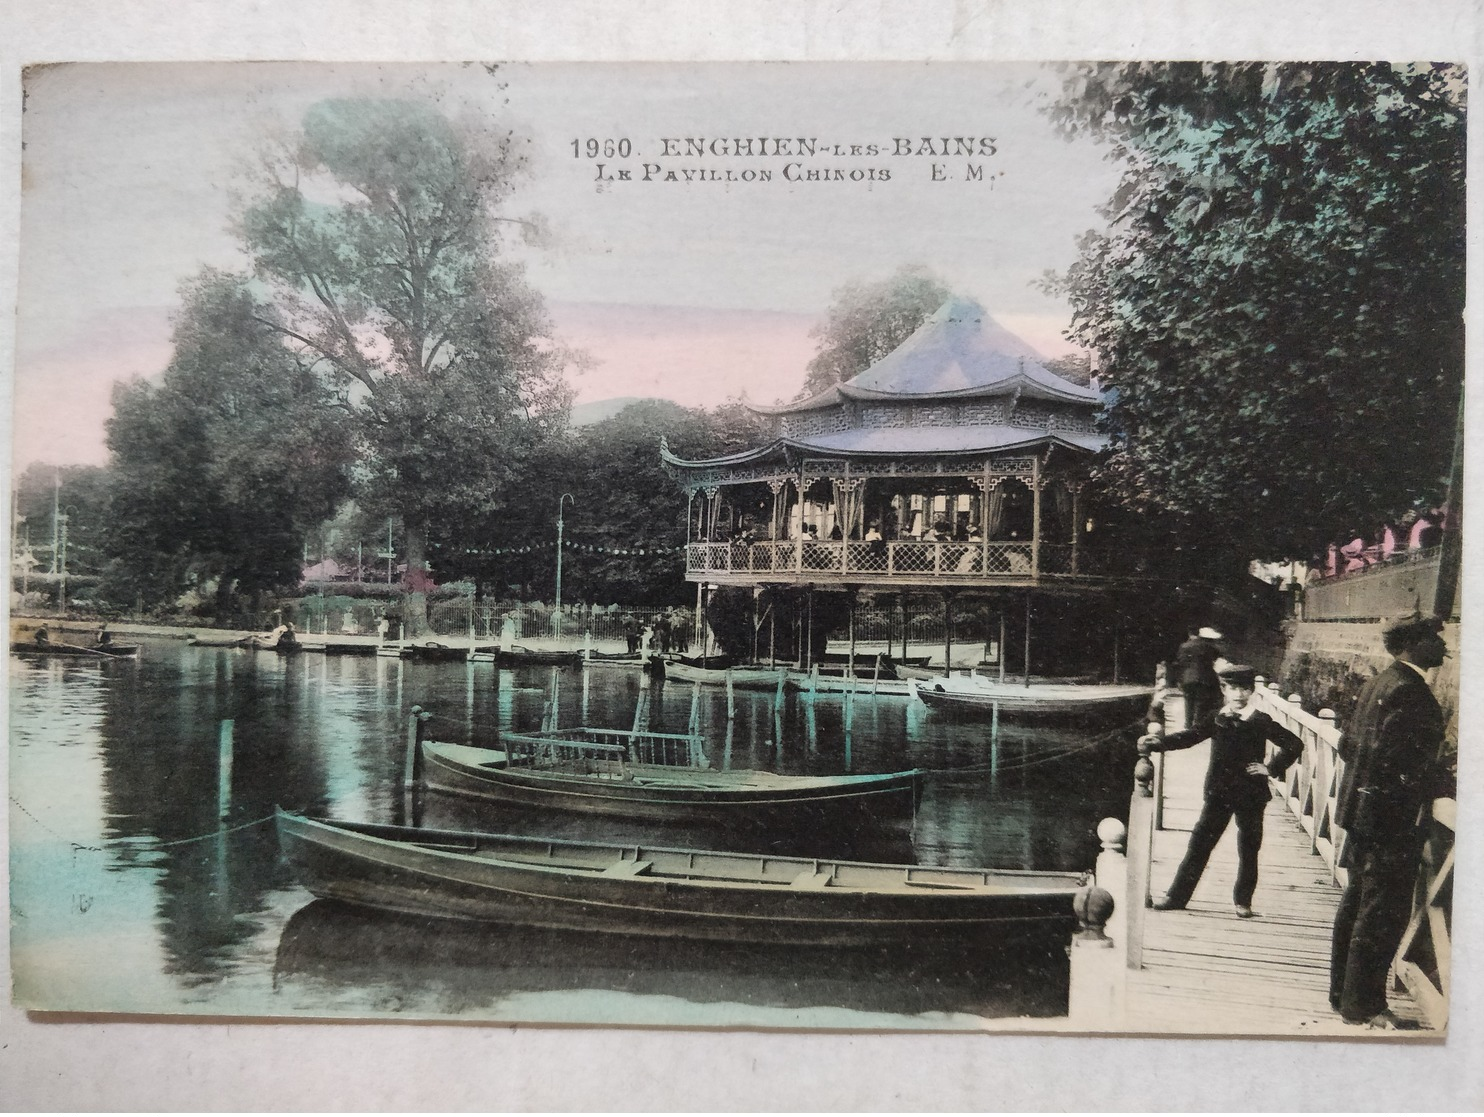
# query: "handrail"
[[1311, 790]]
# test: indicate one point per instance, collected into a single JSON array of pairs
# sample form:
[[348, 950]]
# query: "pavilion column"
[[1036, 516], [1076, 489], [947, 633], [780, 503]]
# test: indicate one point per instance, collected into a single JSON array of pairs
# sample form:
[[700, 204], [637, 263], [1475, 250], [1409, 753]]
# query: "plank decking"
[[1206, 971]]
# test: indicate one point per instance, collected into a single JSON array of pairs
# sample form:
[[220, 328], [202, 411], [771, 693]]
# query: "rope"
[[122, 840]]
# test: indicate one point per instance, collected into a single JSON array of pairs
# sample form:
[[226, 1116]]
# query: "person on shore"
[[1392, 772], [1236, 786], [631, 633], [1195, 665]]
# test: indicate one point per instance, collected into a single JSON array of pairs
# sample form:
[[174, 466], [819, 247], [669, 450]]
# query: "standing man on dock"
[[1392, 772], [1236, 786], [1195, 662]]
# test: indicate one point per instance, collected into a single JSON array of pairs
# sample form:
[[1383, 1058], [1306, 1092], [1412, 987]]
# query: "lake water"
[[128, 895]]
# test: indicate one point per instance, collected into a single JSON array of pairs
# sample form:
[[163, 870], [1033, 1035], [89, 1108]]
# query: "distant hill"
[[585, 414]]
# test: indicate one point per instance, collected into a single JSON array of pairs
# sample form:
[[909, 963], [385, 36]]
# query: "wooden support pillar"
[[1027, 639], [850, 659], [1035, 516], [947, 633], [809, 629], [1004, 651], [1076, 488]]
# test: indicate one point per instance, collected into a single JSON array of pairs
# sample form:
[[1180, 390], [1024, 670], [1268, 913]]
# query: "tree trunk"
[[224, 597], [415, 583]]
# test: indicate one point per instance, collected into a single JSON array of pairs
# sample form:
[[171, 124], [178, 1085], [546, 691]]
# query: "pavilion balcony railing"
[[907, 558]]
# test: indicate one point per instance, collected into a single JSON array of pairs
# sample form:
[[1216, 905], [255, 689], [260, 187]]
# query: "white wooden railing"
[[1311, 790], [1109, 944]]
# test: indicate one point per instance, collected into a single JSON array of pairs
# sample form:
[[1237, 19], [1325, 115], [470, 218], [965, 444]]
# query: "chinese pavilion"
[[955, 463]]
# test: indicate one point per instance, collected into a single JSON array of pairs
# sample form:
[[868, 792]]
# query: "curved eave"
[[1022, 385], [924, 442], [741, 457], [830, 397]]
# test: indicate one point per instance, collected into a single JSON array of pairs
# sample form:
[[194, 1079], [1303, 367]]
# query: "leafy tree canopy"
[[220, 470], [1277, 299], [867, 321], [377, 232], [623, 503]]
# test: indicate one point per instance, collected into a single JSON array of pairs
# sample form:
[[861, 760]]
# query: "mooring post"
[[778, 695], [731, 700], [224, 770], [412, 761]]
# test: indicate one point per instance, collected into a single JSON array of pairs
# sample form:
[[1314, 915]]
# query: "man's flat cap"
[[1238, 674]]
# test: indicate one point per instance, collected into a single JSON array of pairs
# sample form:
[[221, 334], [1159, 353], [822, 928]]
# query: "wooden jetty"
[[1203, 971]]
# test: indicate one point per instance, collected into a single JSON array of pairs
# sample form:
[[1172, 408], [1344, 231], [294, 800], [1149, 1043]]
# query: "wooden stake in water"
[[224, 770], [731, 701], [694, 728]]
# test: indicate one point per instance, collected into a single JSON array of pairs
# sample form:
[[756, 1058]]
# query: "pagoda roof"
[[870, 442], [959, 352]]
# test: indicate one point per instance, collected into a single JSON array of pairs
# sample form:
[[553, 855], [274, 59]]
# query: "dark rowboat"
[[684, 893], [433, 652], [115, 651], [588, 777], [531, 657]]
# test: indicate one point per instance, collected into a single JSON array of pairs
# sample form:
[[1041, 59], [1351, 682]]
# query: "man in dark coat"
[[1236, 786], [1195, 672], [1392, 773]]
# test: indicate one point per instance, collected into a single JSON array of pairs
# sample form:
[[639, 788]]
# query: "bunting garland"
[[580, 548]]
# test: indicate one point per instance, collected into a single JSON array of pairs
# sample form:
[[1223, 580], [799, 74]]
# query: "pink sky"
[[694, 356]]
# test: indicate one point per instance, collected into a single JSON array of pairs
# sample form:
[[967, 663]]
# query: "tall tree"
[[1277, 299], [218, 471], [395, 289], [867, 321]]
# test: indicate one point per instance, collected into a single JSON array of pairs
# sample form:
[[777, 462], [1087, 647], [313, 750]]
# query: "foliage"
[[1277, 300], [395, 291], [624, 527], [867, 321], [218, 472], [78, 492]]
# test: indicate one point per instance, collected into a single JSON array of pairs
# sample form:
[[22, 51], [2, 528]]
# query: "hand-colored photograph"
[[845, 546]]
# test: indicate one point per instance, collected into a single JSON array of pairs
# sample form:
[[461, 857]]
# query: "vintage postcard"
[[834, 546]]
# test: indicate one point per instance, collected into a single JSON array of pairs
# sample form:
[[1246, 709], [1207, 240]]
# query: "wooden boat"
[[589, 776], [1038, 703], [116, 651], [655, 891], [517, 656], [208, 640], [433, 652], [745, 678], [862, 684]]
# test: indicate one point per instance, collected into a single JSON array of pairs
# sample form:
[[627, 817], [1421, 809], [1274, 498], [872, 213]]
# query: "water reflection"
[[116, 783], [428, 966]]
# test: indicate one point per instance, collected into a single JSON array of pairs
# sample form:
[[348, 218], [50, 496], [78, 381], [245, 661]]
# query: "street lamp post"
[[557, 617]]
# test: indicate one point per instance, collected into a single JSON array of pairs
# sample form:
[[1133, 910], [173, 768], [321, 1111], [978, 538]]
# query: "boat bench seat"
[[809, 878], [627, 868]]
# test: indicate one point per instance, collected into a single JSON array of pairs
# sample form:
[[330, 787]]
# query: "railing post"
[[1096, 993], [1140, 852]]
